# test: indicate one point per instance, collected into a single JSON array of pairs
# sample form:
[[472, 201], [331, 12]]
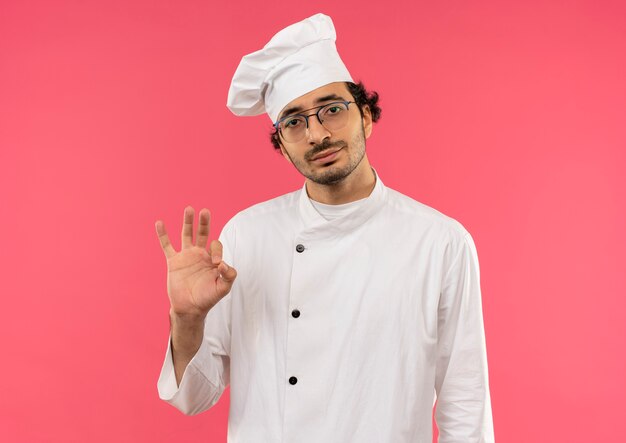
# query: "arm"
[[196, 369], [185, 340], [463, 411], [207, 373]]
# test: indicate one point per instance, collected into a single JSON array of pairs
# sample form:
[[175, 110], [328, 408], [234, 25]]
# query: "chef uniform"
[[345, 323]]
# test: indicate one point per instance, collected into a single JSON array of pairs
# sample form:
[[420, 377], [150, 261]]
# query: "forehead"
[[316, 97]]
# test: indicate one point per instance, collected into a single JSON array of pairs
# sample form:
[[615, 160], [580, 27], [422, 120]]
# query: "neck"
[[359, 184]]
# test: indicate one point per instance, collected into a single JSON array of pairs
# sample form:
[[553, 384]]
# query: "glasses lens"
[[334, 116], [293, 128]]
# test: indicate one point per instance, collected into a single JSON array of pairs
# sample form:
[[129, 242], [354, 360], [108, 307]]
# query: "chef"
[[340, 312]]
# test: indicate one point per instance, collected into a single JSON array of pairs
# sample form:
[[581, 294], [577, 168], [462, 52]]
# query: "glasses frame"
[[306, 116]]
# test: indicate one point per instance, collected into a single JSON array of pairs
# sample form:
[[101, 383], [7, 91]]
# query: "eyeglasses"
[[332, 116]]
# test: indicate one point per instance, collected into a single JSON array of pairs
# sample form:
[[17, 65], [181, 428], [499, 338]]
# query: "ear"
[[367, 121]]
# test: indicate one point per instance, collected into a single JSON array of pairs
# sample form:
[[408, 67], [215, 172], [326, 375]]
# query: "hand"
[[196, 279]]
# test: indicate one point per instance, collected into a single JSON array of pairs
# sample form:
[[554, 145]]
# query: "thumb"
[[227, 273]]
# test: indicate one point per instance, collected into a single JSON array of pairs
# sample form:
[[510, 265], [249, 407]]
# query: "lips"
[[326, 153]]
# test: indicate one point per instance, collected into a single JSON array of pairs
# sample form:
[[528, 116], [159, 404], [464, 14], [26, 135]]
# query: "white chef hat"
[[298, 59]]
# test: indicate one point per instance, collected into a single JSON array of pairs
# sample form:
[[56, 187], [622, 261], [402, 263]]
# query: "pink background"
[[508, 116]]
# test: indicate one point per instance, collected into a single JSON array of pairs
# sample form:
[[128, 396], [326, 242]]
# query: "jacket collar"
[[316, 226]]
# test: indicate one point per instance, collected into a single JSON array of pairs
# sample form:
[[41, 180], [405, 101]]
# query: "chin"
[[330, 176]]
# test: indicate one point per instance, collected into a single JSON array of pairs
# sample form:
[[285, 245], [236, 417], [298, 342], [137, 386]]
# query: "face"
[[323, 157]]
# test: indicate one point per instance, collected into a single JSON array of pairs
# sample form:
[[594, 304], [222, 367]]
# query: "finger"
[[187, 235], [166, 245], [216, 252], [227, 273], [204, 218]]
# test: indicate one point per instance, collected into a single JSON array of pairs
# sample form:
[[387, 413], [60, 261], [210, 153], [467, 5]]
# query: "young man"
[[338, 312]]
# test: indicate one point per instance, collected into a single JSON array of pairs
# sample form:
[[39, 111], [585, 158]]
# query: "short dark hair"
[[362, 97]]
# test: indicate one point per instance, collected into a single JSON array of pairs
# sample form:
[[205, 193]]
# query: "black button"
[[300, 248], [295, 313], [293, 380]]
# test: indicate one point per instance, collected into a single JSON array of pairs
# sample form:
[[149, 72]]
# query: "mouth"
[[326, 156]]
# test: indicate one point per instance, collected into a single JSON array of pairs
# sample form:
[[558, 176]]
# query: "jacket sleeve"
[[208, 372], [463, 411]]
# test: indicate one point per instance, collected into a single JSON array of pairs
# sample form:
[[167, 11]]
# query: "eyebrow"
[[319, 100]]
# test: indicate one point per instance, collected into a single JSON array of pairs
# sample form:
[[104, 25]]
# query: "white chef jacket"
[[344, 330]]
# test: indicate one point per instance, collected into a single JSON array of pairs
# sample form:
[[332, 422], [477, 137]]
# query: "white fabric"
[[297, 60], [390, 312], [331, 212]]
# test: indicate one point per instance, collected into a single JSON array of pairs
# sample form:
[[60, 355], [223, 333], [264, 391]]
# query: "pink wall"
[[509, 116]]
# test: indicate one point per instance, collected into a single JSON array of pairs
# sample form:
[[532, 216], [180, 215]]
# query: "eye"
[[332, 110], [292, 122]]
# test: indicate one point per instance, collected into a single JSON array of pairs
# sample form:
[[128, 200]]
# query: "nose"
[[316, 133]]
